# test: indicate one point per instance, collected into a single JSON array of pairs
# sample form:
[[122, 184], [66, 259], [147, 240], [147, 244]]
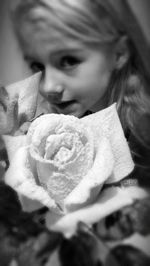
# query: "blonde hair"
[[89, 21]]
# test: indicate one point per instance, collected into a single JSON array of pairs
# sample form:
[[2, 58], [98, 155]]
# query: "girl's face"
[[75, 75]]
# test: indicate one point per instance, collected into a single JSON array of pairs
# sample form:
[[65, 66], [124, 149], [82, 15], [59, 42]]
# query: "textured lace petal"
[[20, 177], [90, 186], [111, 127]]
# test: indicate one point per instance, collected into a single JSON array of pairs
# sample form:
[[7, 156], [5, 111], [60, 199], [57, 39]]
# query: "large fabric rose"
[[63, 153], [63, 163]]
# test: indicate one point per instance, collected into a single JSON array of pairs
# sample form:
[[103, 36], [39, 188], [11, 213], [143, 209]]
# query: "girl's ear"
[[122, 52]]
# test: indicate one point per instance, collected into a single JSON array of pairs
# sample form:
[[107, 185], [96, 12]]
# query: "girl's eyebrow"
[[69, 51]]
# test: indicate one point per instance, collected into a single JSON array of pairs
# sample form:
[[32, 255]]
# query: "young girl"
[[88, 62]]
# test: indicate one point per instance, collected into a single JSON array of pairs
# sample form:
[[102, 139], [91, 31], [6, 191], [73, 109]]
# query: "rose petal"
[[13, 143], [20, 177], [90, 186], [40, 127], [110, 200], [108, 121]]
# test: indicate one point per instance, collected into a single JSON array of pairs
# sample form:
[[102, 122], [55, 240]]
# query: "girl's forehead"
[[43, 40], [44, 27]]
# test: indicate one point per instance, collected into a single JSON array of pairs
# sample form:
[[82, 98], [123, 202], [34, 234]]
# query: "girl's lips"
[[64, 105], [72, 107]]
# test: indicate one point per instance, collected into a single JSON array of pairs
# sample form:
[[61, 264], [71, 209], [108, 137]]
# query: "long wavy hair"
[[93, 23]]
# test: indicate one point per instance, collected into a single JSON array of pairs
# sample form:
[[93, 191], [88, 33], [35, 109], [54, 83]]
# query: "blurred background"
[[12, 65]]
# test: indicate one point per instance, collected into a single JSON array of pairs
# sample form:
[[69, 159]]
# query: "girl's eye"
[[36, 67], [69, 62]]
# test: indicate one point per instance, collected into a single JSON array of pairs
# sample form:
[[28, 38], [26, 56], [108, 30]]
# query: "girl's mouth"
[[67, 105], [72, 107]]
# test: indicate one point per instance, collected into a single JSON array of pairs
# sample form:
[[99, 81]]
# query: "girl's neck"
[[100, 105]]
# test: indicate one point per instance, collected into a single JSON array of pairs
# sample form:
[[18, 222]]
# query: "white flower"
[[63, 151], [63, 163]]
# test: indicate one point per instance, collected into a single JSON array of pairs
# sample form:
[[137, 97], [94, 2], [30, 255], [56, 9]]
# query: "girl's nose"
[[51, 86]]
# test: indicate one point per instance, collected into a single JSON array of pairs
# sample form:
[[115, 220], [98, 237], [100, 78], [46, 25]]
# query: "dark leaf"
[[22, 240], [127, 255], [83, 249], [125, 222]]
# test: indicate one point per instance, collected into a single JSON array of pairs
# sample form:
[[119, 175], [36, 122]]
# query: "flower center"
[[60, 148], [62, 155]]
